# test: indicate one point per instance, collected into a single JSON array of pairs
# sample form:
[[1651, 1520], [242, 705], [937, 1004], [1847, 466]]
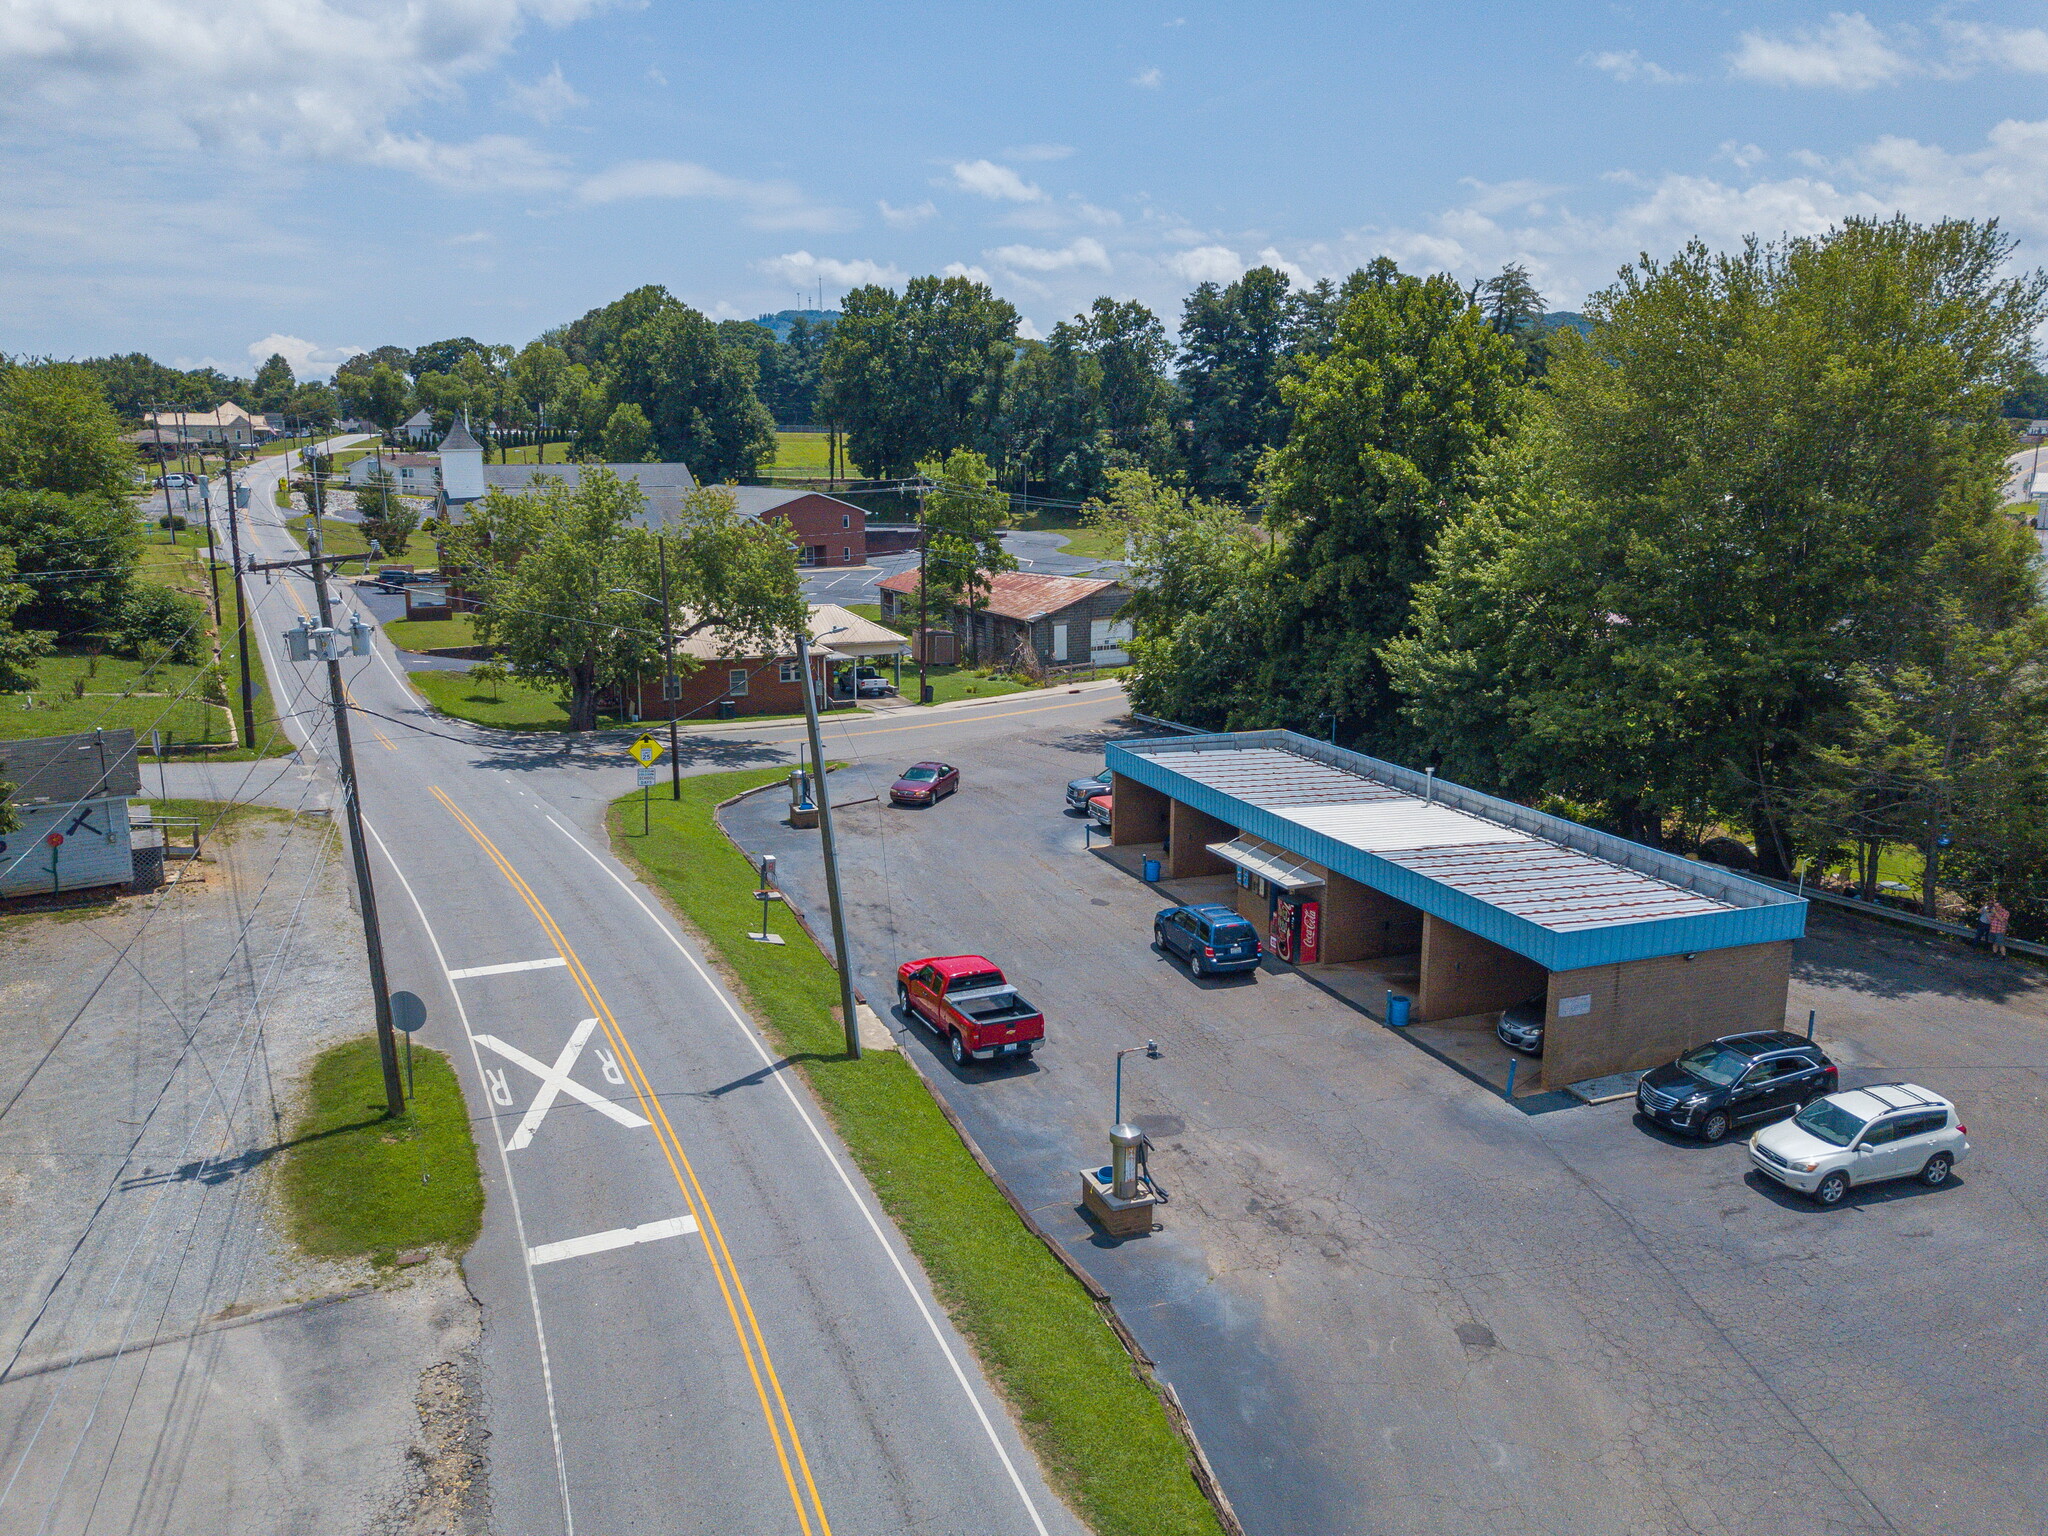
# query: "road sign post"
[[408, 1013], [646, 752]]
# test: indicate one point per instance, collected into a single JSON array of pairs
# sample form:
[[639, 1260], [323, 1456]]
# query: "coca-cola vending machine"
[[1296, 933]]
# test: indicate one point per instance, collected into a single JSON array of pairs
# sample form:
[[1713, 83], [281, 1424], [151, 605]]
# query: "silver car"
[[1863, 1136]]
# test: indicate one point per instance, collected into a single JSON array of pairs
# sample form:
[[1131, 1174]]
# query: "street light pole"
[[831, 850]]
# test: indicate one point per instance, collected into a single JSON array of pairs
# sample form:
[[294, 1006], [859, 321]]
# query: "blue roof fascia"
[[1775, 916]]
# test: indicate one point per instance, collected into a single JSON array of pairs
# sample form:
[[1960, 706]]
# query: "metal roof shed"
[[1557, 893]]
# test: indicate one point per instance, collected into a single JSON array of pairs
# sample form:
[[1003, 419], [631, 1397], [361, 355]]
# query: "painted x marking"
[[556, 1080]]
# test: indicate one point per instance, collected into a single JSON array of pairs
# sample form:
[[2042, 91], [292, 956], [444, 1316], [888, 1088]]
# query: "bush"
[[171, 521], [157, 616]]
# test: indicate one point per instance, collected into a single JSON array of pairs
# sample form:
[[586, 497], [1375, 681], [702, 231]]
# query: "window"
[[1921, 1124], [1882, 1134], [788, 673], [736, 682], [846, 555], [846, 519], [1783, 1067]]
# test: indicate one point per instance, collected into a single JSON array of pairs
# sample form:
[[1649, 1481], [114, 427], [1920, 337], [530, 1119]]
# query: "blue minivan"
[[1213, 938]]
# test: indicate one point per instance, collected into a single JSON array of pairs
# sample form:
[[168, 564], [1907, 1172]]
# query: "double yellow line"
[[746, 1327]]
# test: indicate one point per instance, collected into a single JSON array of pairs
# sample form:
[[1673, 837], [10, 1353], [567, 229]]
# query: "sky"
[[209, 181]]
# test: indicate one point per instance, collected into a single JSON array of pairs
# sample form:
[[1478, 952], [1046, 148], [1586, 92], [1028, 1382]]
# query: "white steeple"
[[462, 465]]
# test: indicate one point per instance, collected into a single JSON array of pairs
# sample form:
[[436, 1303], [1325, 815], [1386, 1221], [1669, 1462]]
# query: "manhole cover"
[[1476, 1336]]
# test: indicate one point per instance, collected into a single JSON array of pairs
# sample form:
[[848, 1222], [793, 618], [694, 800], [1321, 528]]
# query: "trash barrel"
[[1397, 1010], [1151, 871], [727, 709]]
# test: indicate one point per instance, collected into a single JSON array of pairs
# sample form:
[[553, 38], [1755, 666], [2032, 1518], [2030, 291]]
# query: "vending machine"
[[1296, 933]]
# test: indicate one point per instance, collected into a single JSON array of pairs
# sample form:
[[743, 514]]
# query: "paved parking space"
[[1395, 1303]]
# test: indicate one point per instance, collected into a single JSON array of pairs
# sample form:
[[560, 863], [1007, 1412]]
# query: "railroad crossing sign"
[[647, 751]]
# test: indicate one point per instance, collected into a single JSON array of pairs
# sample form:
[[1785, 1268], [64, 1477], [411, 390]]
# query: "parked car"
[[1100, 809], [1863, 1136], [176, 482], [1212, 938], [924, 784], [1714, 1087], [1081, 791], [1521, 1027], [966, 1001], [872, 683]]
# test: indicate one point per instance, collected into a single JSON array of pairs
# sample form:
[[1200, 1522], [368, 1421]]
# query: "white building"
[[71, 799], [414, 474]]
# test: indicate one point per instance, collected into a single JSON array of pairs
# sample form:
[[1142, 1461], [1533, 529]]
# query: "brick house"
[[752, 685], [825, 530], [1059, 621]]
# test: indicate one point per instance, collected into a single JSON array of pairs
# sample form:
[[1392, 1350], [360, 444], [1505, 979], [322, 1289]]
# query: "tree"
[[274, 384], [378, 396], [696, 393], [20, 649], [1388, 432], [559, 570], [1510, 301], [628, 438], [1763, 471], [1236, 343], [316, 406], [540, 374], [919, 375], [387, 517], [81, 549], [57, 433], [963, 517], [445, 356]]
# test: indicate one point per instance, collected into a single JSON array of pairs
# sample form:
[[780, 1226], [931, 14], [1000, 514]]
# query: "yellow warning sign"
[[646, 750]]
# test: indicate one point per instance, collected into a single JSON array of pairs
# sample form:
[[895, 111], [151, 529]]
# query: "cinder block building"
[[1339, 857], [70, 797]]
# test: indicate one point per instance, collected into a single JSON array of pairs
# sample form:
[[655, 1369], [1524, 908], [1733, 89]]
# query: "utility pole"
[[163, 476], [241, 613], [671, 685], [831, 849], [366, 896], [924, 636]]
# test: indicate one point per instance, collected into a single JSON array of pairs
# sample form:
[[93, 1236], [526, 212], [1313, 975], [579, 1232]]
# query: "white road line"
[[508, 968], [540, 1335], [782, 1081], [618, 1237]]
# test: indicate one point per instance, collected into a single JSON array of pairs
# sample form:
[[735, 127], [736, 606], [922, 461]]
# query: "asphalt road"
[[1395, 1304], [694, 1316]]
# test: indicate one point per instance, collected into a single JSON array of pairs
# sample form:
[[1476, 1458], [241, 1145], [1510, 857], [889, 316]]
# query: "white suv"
[[1862, 1136]]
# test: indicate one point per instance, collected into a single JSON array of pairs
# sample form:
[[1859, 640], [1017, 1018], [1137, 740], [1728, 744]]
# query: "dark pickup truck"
[[966, 1001]]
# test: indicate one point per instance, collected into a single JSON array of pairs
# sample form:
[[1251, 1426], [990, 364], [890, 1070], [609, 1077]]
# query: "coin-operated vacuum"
[[1121, 1197], [803, 810]]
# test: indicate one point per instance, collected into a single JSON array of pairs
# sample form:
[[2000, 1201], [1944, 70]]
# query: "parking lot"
[[1394, 1302]]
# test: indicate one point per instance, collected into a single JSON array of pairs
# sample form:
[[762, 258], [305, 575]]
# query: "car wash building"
[[1343, 859]]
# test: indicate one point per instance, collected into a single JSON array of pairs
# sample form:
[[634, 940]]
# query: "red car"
[[966, 1001], [924, 784]]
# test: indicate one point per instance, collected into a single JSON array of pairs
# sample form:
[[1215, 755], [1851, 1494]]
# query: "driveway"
[[1394, 1303]]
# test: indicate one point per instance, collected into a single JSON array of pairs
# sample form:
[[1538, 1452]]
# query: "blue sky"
[[208, 179]]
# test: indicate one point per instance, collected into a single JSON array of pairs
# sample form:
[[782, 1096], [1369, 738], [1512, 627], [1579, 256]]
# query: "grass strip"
[[361, 1184], [1098, 1427], [431, 634], [341, 537]]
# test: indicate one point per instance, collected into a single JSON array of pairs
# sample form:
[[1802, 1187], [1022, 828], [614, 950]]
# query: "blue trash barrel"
[[1151, 871], [1397, 1010]]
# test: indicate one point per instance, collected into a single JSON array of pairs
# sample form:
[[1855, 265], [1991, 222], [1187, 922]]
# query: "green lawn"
[[948, 683], [803, 456], [1096, 1424], [518, 706], [340, 538], [432, 634], [118, 695], [545, 453], [358, 1184], [1082, 541]]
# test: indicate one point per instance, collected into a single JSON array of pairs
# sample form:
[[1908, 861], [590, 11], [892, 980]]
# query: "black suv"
[[1713, 1087]]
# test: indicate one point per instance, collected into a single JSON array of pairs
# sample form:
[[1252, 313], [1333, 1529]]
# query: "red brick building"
[[825, 530], [752, 685]]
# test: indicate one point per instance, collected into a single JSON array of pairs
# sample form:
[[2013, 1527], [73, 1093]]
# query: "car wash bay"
[[1380, 883]]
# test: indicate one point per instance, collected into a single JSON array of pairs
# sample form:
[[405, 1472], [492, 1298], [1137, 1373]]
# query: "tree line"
[[1735, 557]]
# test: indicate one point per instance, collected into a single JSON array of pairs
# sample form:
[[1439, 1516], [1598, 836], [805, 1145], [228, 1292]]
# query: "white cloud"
[[800, 267], [308, 358], [961, 269], [1026, 331], [1846, 53], [1742, 156], [1035, 152], [907, 218], [998, 182], [655, 76], [1271, 257], [545, 99], [1631, 67], [320, 78], [1148, 79], [1206, 264], [472, 237], [495, 160], [769, 204], [1083, 252]]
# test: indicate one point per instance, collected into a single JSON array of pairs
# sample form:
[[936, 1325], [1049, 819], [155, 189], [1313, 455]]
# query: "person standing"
[[1982, 936], [2001, 919]]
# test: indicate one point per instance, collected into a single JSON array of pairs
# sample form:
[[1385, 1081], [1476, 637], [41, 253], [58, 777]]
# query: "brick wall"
[[767, 693], [1465, 974], [1189, 832], [1360, 923], [1138, 813], [1642, 1013], [837, 527]]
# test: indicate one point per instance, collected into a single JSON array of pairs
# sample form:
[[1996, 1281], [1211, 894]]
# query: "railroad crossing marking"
[[618, 1237], [646, 751], [555, 1080]]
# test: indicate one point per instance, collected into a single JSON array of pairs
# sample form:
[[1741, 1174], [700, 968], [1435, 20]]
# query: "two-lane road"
[[695, 1316]]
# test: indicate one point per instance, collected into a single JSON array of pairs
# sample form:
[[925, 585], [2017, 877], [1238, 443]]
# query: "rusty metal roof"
[[1017, 594]]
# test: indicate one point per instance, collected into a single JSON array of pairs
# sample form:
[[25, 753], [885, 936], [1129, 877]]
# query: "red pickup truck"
[[965, 1001]]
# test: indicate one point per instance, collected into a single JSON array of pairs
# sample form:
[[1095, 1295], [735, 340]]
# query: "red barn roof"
[[1017, 594]]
